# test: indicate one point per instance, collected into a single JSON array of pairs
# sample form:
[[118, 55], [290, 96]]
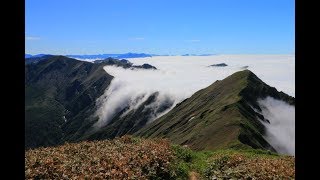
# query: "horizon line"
[[182, 54]]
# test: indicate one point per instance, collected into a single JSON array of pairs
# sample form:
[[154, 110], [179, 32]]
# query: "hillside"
[[60, 94], [135, 158], [60, 100], [219, 116]]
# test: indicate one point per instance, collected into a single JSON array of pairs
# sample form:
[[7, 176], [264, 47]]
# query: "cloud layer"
[[31, 38], [178, 77]]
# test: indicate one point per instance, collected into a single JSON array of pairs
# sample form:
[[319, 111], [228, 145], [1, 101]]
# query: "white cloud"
[[178, 77], [31, 38], [280, 133], [137, 38], [193, 40]]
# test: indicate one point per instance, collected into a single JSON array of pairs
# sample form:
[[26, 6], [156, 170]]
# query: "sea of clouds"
[[178, 77]]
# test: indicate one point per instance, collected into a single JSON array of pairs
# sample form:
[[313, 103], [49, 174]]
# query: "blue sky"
[[160, 26]]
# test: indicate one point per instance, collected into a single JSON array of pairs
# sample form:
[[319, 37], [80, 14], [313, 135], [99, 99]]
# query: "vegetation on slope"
[[135, 158], [232, 164], [121, 158]]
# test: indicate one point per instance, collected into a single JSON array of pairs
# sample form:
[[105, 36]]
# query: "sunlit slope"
[[218, 116]]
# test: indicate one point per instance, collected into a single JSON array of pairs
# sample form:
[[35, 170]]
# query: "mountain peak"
[[244, 74]]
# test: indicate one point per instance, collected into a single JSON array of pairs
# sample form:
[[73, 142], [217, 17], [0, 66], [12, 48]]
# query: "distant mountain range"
[[198, 54], [34, 56], [99, 56], [118, 56]]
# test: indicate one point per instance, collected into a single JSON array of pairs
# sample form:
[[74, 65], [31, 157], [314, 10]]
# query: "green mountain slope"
[[60, 95], [218, 116]]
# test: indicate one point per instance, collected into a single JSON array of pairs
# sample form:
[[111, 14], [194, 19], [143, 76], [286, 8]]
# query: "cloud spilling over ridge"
[[280, 133], [178, 77], [87, 59]]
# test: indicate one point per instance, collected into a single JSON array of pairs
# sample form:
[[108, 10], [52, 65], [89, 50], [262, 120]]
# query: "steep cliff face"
[[225, 114]]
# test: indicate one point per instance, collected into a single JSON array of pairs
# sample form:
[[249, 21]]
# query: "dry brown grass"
[[121, 158], [135, 158]]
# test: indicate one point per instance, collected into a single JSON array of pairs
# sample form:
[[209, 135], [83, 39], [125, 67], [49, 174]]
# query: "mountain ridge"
[[202, 120]]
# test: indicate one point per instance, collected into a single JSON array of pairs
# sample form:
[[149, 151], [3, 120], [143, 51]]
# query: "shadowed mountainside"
[[60, 94], [60, 99]]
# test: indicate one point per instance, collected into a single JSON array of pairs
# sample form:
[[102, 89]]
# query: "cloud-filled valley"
[[178, 77]]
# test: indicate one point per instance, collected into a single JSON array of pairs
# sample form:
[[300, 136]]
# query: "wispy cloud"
[[137, 38], [192, 40], [31, 38]]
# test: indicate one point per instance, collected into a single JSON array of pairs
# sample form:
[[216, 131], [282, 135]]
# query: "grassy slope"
[[135, 158], [218, 116], [232, 164]]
